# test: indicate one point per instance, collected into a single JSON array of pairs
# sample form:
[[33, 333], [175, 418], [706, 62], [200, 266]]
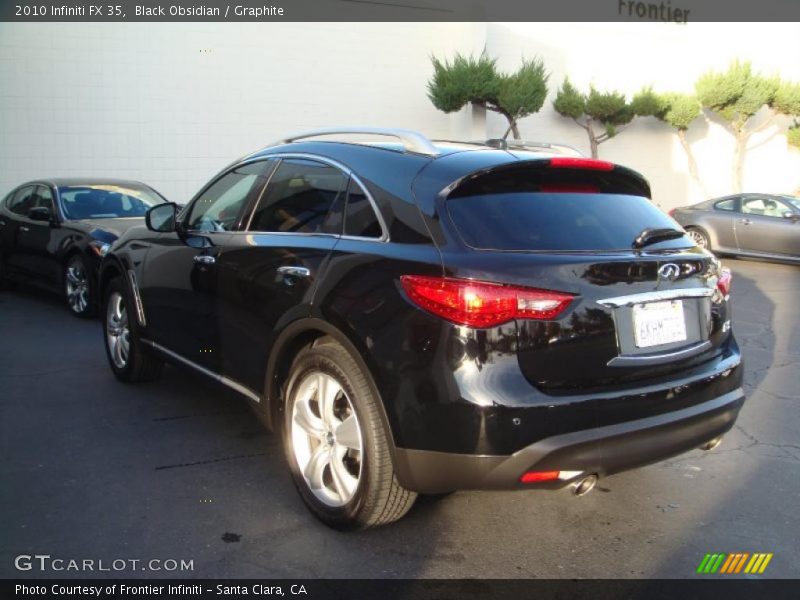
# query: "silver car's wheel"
[[117, 331], [326, 439], [698, 237], [77, 286]]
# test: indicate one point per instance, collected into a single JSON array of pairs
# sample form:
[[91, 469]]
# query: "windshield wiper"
[[652, 236]]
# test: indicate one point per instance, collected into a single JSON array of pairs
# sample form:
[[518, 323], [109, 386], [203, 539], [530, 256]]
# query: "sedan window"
[[106, 201], [729, 204], [766, 207], [22, 201]]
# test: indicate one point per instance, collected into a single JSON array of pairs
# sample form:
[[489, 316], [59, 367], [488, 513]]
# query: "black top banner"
[[679, 12]]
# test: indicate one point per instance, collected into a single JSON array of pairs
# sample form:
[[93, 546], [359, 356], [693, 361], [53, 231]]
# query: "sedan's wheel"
[[78, 287], [337, 445], [326, 439], [699, 238], [129, 358], [117, 332]]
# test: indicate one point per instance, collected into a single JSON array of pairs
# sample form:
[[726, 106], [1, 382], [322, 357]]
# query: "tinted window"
[[766, 207], [42, 197], [22, 201], [360, 217], [299, 196], [106, 201], [729, 204], [217, 208], [557, 221]]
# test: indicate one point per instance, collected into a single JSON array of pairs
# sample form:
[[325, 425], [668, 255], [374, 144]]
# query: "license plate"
[[657, 323]]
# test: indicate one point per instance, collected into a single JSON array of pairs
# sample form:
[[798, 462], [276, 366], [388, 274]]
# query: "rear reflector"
[[724, 282], [571, 162], [482, 304], [537, 476]]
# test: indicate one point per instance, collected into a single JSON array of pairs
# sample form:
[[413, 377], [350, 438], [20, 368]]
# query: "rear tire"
[[699, 237], [129, 358], [336, 443], [79, 287]]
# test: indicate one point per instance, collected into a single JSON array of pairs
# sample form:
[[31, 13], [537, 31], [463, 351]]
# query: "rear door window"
[[299, 197], [728, 205]]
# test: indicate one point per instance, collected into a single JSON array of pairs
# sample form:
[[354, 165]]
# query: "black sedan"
[[53, 232], [756, 225]]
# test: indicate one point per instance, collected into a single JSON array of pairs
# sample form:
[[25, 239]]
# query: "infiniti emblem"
[[669, 271]]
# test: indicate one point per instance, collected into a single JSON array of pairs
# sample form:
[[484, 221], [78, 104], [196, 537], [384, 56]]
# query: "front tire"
[[336, 443], [128, 357], [79, 287]]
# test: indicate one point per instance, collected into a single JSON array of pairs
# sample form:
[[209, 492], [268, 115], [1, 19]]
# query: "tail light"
[[571, 162], [482, 304], [671, 213], [724, 282]]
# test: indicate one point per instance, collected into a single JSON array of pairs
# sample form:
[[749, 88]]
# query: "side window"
[[729, 204], [42, 198], [360, 218], [300, 194], [22, 201], [766, 207], [217, 208]]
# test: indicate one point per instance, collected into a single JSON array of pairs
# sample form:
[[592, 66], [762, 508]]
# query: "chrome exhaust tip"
[[710, 445], [584, 486]]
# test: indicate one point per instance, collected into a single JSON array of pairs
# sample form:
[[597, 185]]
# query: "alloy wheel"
[[117, 331], [326, 439], [77, 282], [697, 237]]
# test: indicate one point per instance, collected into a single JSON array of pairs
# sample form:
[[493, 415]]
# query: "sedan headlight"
[[99, 248]]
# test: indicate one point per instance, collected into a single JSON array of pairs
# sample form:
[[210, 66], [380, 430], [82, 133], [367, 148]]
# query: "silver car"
[[757, 225]]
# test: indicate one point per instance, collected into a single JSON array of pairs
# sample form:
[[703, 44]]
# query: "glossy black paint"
[[37, 251], [445, 388]]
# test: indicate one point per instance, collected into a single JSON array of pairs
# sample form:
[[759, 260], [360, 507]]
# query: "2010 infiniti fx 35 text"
[[420, 317]]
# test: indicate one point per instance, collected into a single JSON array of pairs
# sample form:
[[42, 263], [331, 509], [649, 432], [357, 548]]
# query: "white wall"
[[170, 104]]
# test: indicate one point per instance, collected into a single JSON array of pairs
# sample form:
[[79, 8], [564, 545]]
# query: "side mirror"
[[161, 218], [787, 214], [40, 213]]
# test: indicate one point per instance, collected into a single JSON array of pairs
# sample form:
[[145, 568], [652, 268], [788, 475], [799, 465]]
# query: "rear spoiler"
[[566, 174]]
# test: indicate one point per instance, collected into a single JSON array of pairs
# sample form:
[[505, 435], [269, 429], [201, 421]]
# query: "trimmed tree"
[[676, 110], [736, 95], [476, 80], [601, 114]]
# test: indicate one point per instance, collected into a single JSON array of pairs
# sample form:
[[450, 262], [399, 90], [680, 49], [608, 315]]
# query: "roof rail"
[[412, 141], [505, 144]]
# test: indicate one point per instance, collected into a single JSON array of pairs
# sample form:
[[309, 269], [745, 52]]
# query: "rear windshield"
[[107, 201], [558, 221]]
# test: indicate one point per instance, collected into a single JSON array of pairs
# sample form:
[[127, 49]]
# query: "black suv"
[[420, 317]]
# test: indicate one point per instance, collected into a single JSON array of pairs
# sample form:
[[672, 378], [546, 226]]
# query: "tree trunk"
[[592, 138], [692, 162], [512, 127], [738, 158]]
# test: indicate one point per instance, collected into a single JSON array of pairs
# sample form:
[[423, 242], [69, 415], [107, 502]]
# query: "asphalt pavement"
[[180, 469]]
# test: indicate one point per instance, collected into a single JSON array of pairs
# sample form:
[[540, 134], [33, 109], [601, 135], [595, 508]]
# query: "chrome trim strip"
[[137, 299], [413, 141], [234, 385], [642, 360], [632, 299]]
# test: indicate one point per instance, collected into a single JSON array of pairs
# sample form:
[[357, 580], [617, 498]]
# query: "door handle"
[[23, 228], [294, 271], [745, 221], [205, 259]]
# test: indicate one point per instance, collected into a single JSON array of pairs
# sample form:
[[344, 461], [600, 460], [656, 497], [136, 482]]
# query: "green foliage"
[[647, 103], [787, 99], [681, 110], [569, 101], [466, 79], [793, 134], [610, 108], [736, 94], [522, 93]]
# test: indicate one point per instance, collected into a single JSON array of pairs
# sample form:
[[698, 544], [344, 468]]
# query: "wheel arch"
[[291, 340]]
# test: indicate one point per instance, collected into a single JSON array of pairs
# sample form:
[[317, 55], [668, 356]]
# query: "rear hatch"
[[645, 301]]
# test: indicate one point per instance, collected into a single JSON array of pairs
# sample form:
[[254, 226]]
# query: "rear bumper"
[[601, 450]]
